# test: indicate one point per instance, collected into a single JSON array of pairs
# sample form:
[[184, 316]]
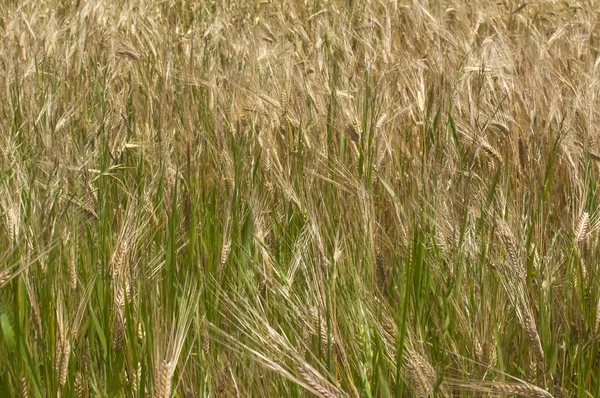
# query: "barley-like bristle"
[[501, 126], [47, 139], [519, 389], [58, 355], [73, 272], [269, 186], [135, 380], [224, 256], [492, 355], [266, 160], [354, 131], [319, 105], [229, 171], [478, 348], [85, 352], [12, 223], [350, 66], [380, 273], [5, 277], [24, 388], [140, 332], [37, 319], [163, 389], [584, 270], [118, 259], [127, 53], [283, 102], [65, 363], [42, 266], [511, 250], [80, 387], [319, 386], [491, 152], [390, 328], [582, 229], [292, 123], [442, 241], [205, 341], [380, 157], [524, 390], [522, 155], [377, 165], [321, 327], [421, 373], [559, 392], [118, 332], [533, 370], [533, 336], [119, 298]]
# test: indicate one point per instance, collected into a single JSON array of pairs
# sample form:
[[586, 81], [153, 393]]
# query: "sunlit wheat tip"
[[582, 228]]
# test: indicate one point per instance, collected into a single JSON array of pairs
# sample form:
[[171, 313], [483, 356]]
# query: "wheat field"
[[329, 198]]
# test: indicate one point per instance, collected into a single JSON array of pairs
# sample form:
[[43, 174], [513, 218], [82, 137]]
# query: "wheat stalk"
[[13, 225], [135, 378], [283, 103], [5, 277], [24, 388], [316, 383], [523, 162], [37, 319], [421, 374], [229, 171], [582, 228], [73, 271], [520, 389], [322, 331], [597, 323], [205, 340], [163, 389], [511, 249], [64, 369], [80, 386], [532, 334], [380, 273], [118, 258], [354, 131], [118, 332]]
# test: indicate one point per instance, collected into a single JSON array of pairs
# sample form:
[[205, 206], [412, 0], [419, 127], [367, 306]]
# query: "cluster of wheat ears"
[[332, 198]]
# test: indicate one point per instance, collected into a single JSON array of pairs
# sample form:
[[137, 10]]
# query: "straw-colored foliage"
[[332, 198]]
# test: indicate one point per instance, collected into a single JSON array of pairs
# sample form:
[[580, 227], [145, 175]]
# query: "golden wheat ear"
[[317, 383], [582, 228], [522, 389]]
